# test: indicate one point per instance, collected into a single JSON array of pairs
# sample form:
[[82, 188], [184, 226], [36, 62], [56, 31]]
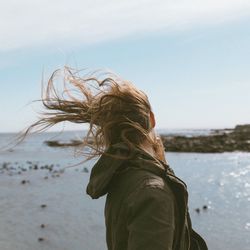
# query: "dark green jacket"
[[146, 205]]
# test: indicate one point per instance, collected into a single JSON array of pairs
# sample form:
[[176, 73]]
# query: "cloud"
[[32, 23]]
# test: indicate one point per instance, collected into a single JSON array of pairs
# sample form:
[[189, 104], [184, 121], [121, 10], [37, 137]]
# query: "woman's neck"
[[147, 147], [155, 149]]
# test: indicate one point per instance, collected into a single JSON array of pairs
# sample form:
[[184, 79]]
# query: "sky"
[[190, 57]]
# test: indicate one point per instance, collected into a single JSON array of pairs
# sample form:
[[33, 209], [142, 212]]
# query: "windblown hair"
[[115, 109]]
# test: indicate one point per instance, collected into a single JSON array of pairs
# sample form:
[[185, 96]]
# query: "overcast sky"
[[191, 57]]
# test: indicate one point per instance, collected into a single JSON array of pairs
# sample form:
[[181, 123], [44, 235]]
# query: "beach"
[[43, 203]]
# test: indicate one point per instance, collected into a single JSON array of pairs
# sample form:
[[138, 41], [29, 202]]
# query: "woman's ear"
[[152, 119]]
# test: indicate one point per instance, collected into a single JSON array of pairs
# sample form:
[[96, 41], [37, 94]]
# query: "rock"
[[224, 140], [204, 207], [197, 210], [43, 206], [63, 144], [25, 181], [242, 128], [40, 239], [5, 165], [42, 226], [85, 170]]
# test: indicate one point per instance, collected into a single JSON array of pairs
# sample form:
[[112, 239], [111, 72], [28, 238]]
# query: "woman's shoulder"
[[131, 180], [145, 189]]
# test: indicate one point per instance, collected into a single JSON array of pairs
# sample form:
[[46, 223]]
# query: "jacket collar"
[[106, 167]]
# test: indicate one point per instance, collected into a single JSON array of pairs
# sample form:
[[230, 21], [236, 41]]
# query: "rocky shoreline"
[[218, 141]]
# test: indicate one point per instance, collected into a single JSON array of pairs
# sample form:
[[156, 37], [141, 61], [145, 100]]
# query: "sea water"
[[218, 185]]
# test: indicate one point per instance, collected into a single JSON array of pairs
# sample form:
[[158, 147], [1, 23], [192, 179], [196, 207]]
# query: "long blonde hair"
[[115, 109]]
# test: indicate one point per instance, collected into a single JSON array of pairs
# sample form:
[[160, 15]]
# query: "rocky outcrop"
[[224, 140], [219, 140], [63, 144]]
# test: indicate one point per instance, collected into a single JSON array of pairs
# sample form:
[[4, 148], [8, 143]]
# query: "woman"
[[146, 205]]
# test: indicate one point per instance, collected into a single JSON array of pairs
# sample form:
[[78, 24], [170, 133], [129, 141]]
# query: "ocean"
[[43, 204]]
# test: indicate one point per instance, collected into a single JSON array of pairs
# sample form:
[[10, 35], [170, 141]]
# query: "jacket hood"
[[106, 167], [103, 171]]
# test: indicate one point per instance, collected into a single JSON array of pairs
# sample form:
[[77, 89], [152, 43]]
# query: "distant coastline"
[[216, 141]]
